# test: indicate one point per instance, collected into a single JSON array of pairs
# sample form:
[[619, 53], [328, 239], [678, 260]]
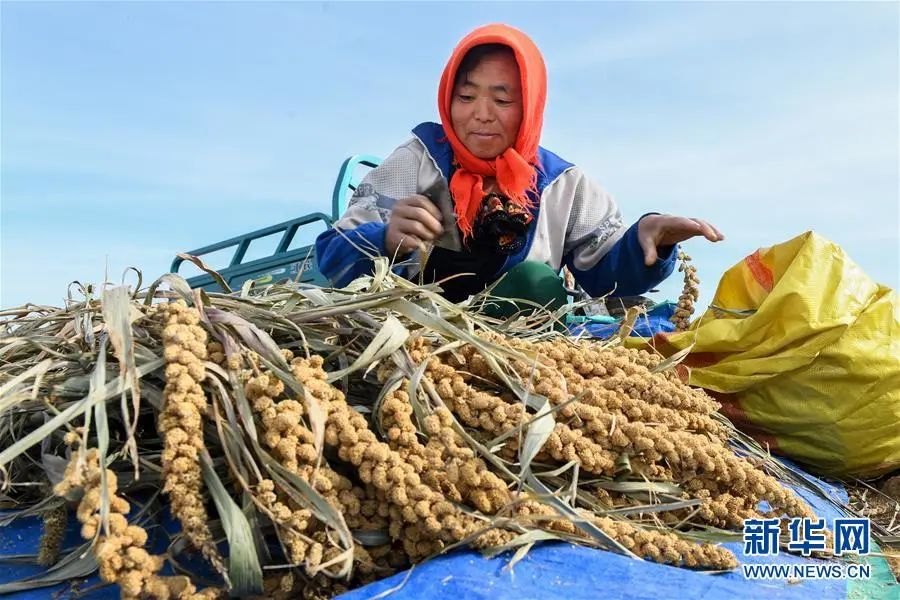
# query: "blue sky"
[[131, 131]]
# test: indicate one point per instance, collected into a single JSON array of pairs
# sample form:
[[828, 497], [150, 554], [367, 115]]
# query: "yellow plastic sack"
[[803, 350]]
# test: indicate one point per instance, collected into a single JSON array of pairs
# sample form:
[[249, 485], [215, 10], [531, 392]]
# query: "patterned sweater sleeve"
[[345, 251], [604, 256]]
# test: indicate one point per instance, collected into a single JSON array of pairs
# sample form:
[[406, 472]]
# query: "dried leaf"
[[206, 269], [673, 360], [244, 572]]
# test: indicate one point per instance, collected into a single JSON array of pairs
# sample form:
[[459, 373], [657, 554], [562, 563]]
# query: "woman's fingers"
[[418, 229], [718, 232], [414, 210], [409, 243], [424, 203], [426, 218], [402, 236], [672, 230], [707, 230], [656, 231]]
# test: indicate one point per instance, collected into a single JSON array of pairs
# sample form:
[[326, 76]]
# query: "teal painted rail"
[[298, 264]]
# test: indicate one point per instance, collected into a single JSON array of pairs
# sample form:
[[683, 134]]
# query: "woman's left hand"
[[655, 231]]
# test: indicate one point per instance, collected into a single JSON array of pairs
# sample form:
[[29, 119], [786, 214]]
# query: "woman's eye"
[[466, 97], [504, 102]]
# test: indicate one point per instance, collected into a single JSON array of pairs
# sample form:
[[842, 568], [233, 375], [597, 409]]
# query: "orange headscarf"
[[513, 169]]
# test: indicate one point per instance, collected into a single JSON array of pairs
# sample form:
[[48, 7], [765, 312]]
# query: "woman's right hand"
[[414, 220]]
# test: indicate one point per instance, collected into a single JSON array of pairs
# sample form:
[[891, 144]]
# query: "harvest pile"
[[337, 437]]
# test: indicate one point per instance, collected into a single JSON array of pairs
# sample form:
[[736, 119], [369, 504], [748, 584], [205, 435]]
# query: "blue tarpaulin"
[[561, 570], [552, 570], [655, 320]]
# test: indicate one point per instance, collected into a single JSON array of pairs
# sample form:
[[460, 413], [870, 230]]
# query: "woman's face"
[[486, 109]]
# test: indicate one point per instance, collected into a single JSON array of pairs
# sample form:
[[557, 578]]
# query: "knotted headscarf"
[[514, 168]]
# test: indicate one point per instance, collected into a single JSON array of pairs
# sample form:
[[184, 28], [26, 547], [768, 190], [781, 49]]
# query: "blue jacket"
[[576, 222]]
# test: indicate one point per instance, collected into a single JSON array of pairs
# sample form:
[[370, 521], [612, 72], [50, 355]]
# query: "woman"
[[514, 212]]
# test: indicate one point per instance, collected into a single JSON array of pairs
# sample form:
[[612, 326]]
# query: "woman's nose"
[[483, 110]]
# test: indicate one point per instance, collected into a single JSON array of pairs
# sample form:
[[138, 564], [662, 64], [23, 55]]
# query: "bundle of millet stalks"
[[330, 438]]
